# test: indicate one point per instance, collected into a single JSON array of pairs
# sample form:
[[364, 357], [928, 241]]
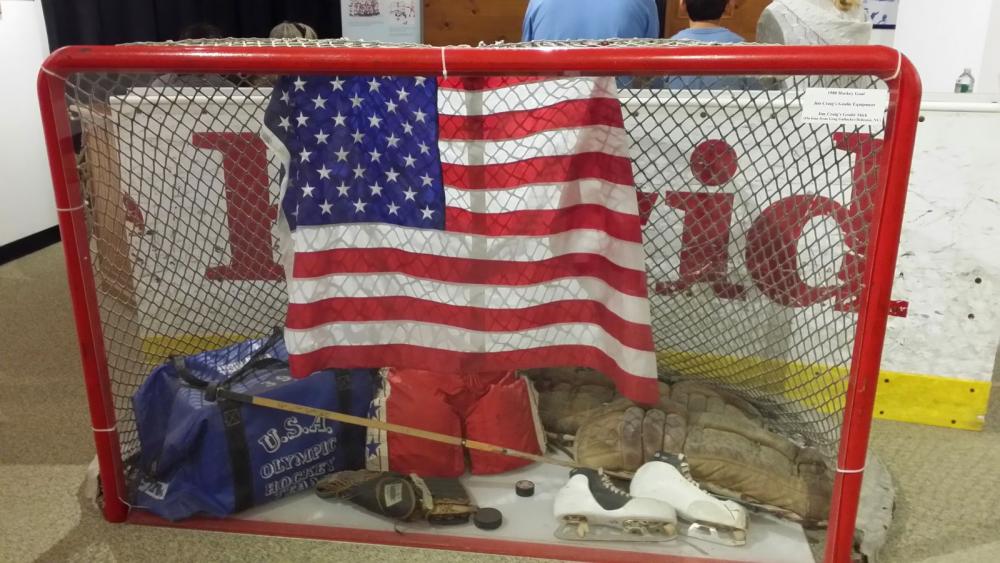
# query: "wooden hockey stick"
[[405, 430]]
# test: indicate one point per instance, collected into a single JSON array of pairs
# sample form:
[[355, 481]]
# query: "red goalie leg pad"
[[420, 399], [506, 415]]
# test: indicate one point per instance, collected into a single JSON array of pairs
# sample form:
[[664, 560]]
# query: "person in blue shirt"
[[706, 27], [566, 20], [563, 20]]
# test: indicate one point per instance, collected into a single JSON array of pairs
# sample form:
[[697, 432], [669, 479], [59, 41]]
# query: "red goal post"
[[885, 208]]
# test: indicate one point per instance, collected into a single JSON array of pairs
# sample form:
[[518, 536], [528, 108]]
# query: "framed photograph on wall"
[[882, 13], [393, 21]]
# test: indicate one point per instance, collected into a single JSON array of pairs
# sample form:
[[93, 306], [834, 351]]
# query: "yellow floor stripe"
[[928, 399], [906, 397], [158, 348]]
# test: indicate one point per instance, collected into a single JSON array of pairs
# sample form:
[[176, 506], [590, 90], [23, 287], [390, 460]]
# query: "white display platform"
[[530, 520]]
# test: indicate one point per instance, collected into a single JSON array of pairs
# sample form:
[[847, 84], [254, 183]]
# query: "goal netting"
[[756, 222]]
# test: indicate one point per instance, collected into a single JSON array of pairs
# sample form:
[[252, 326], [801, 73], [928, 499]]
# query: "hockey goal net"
[[770, 228]]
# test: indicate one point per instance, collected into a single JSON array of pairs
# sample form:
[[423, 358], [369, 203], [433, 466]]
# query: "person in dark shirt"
[[706, 22], [200, 30], [706, 27]]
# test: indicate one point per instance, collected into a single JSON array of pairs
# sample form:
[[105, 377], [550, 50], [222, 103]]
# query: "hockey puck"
[[487, 519], [524, 488]]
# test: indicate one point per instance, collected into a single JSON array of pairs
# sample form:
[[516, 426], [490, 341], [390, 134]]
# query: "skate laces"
[[606, 481], [680, 463]]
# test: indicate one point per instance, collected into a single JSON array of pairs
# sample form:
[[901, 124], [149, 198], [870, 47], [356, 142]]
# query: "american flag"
[[462, 225]]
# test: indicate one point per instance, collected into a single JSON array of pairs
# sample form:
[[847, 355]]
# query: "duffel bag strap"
[[239, 453], [235, 432], [181, 368], [257, 360]]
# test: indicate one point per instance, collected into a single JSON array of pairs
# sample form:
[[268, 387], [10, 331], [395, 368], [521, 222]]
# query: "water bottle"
[[965, 82]]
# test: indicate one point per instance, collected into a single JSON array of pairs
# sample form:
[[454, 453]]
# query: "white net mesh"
[[755, 239]]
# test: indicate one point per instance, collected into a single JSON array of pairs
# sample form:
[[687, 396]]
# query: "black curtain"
[[105, 22]]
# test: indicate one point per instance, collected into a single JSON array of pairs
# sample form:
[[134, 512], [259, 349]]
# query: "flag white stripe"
[[459, 245], [444, 337], [522, 97], [539, 197], [559, 142], [310, 290]]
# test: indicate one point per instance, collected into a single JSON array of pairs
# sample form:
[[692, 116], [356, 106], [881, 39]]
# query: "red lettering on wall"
[[134, 215], [772, 241], [772, 249], [646, 203], [714, 162], [704, 243], [249, 212]]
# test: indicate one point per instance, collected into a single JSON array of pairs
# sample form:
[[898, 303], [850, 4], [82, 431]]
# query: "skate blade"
[[714, 534], [572, 531]]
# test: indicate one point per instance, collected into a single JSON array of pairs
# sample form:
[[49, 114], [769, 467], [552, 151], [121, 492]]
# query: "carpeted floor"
[[948, 481]]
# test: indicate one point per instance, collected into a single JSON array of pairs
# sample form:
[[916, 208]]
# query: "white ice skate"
[[667, 478], [590, 507]]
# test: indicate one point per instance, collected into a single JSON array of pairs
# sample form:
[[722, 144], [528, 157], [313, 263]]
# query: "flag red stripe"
[[333, 310], [540, 170], [517, 124], [541, 222], [639, 389], [467, 270], [477, 83]]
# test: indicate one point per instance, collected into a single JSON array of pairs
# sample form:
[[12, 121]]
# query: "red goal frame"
[[881, 62]]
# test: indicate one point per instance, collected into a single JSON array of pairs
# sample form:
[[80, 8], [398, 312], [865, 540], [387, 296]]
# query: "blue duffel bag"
[[201, 451]]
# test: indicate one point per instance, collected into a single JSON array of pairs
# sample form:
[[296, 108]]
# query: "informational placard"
[[391, 21], [882, 13], [844, 106]]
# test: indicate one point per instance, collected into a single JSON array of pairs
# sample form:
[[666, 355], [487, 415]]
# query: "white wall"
[[989, 80], [948, 268], [942, 38], [26, 202], [883, 37]]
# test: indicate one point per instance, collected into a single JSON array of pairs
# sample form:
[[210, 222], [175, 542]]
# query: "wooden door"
[[467, 22], [741, 17]]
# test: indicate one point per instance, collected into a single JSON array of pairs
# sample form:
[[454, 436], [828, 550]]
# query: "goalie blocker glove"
[[406, 498]]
